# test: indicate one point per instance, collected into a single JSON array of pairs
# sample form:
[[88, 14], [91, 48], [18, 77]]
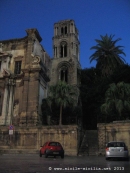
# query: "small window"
[[17, 67]]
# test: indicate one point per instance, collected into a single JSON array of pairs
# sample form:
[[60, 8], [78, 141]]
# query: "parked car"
[[116, 149], [52, 149]]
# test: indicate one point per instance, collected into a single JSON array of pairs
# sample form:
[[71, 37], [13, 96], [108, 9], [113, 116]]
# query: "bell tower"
[[65, 62]]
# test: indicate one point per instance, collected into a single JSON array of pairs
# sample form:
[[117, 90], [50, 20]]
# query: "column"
[[9, 118], [4, 107], [63, 51]]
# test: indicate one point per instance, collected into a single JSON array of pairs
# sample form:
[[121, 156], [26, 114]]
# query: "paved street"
[[32, 163]]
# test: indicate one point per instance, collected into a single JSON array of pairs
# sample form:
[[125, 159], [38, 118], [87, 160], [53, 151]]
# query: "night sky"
[[92, 17]]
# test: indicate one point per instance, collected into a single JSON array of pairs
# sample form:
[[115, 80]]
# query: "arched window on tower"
[[65, 29], [63, 76], [63, 49]]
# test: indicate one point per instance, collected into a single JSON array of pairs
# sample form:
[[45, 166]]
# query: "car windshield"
[[54, 144], [116, 144]]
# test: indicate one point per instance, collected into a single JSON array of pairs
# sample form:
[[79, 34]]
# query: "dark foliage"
[[70, 115], [121, 73], [92, 94], [93, 89]]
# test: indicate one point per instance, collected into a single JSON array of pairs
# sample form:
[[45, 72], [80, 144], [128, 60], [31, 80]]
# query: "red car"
[[52, 149]]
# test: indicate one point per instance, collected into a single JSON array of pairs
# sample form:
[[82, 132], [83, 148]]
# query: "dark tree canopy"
[[93, 89]]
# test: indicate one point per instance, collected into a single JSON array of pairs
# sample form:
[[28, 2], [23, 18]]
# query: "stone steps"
[[89, 144]]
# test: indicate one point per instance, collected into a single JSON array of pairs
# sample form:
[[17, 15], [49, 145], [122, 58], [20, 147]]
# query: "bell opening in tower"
[[63, 50], [64, 75]]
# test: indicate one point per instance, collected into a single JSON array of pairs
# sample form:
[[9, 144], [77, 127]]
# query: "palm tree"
[[117, 99], [63, 95], [107, 54]]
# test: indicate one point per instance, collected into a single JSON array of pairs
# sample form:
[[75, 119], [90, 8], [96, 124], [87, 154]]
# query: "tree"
[[62, 95], [46, 111], [117, 100], [92, 91], [107, 54]]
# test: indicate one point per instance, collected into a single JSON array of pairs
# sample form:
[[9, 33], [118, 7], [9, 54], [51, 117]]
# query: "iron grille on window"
[[17, 67]]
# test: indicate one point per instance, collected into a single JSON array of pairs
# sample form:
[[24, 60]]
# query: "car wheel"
[[40, 154], [62, 156], [46, 155]]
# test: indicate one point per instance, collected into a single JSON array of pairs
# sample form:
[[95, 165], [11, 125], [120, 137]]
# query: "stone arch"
[[63, 71]]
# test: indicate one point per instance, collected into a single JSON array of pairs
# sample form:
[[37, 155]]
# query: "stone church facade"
[[26, 71]]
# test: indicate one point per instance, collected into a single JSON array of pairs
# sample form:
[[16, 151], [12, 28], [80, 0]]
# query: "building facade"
[[26, 71], [23, 79]]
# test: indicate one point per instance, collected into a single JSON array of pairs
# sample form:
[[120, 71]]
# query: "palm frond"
[[106, 47]]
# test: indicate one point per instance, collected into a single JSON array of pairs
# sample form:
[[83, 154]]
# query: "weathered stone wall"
[[19, 104], [116, 131], [30, 139]]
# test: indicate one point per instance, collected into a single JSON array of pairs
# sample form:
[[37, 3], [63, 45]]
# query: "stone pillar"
[[10, 108], [101, 137], [33, 97], [30, 100], [23, 116], [4, 107], [8, 101], [58, 51]]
